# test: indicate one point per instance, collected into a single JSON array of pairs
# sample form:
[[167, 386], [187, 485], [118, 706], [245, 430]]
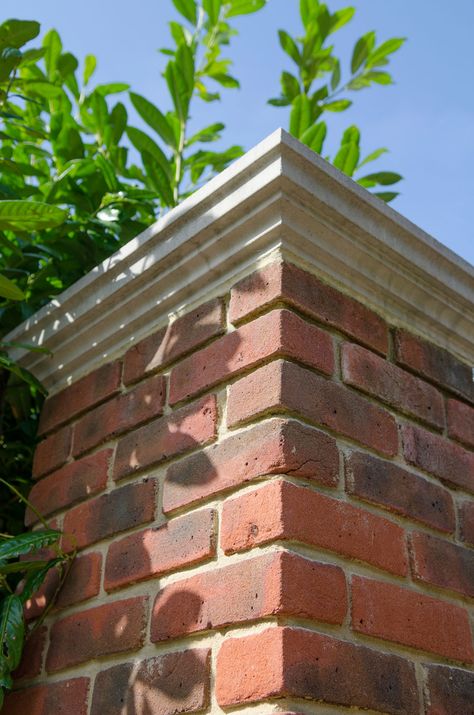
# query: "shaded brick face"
[[272, 498]]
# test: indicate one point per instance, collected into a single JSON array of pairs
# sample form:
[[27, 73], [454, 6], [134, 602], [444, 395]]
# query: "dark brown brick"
[[52, 452], [461, 422], [450, 691], [68, 697], [443, 564]]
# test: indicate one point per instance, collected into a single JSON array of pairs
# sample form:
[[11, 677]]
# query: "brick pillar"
[[272, 500]]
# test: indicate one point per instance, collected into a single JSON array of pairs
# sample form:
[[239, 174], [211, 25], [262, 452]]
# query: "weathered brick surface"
[[443, 459], [443, 564], [450, 691], [279, 510], [298, 663], [32, 658], [112, 628], [52, 452], [110, 514], [466, 513], [82, 395], [180, 337], [68, 697], [184, 430], [279, 333], [272, 447], [389, 383], [166, 685], [282, 386], [398, 490], [285, 282], [434, 363], [278, 583], [183, 541], [72, 483], [461, 422], [120, 414], [411, 618]]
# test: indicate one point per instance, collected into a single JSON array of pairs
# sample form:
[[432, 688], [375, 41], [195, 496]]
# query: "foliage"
[[318, 87]]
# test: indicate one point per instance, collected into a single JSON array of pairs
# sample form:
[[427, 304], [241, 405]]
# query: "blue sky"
[[426, 119]]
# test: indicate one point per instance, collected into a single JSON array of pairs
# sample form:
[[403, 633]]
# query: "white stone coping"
[[278, 199]]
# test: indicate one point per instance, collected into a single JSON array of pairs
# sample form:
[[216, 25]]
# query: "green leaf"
[[289, 46], [90, 64], [244, 7], [379, 77], [159, 178], [154, 118], [16, 33], [25, 376], [117, 122], [373, 156], [52, 43], [341, 18], [35, 579], [300, 117], [10, 58], [188, 9], [212, 7], [179, 77], [386, 48], [12, 633], [336, 75], [347, 158], [387, 196], [362, 49], [144, 143], [290, 85], [111, 88], [338, 106], [30, 216], [314, 137], [385, 178], [209, 134], [10, 290], [108, 173], [27, 543], [45, 89]]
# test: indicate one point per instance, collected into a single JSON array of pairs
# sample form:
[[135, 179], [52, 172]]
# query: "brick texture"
[[461, 422], [440, 563], [52, 452], [68, 697], [450, 691], [467, 522]]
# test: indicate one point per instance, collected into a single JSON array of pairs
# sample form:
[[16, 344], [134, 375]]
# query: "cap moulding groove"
[[279, 200]]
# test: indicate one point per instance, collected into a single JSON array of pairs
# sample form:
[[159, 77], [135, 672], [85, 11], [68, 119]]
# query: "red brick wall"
[[273, 505]]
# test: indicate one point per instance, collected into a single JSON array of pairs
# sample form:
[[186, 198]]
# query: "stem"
[[25, 501], [179, 160]]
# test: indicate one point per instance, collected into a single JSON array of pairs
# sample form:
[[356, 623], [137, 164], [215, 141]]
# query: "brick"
[[443, 564], [466, 512], [282, 511], [375, 376], [441, 458], [411, 618], [461, 422], [80, 396], [112, 628], [32, 657], [178, 543], [279, 333], [273, 584], [180, 337], [400, 491], [450, 691], [120, 414], [299, 289], [273, 447], [434, 363], [166, 685], [110, 514], [291, 662], [68, 697], [184, 430], [52, 452], [282, 386], [71, 484]]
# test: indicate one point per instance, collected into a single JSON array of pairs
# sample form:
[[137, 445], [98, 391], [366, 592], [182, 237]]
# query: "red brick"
[[434, 363], [450, 691], [282, 511], [68, 697], [178, 543], [82, 395], [411, 618], [110, 514], [269, 585], [282, 386], [32, 657], [184, 430], [290, 662], [389, 383], [443, 564], [466, 513], [441, 458], [166, 685], [299, 289], [461, 422], [73, 483], [52, 453], [120, 414], [113, 628], [400, 491], [180, 337], [273, 447], [279, 333]]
